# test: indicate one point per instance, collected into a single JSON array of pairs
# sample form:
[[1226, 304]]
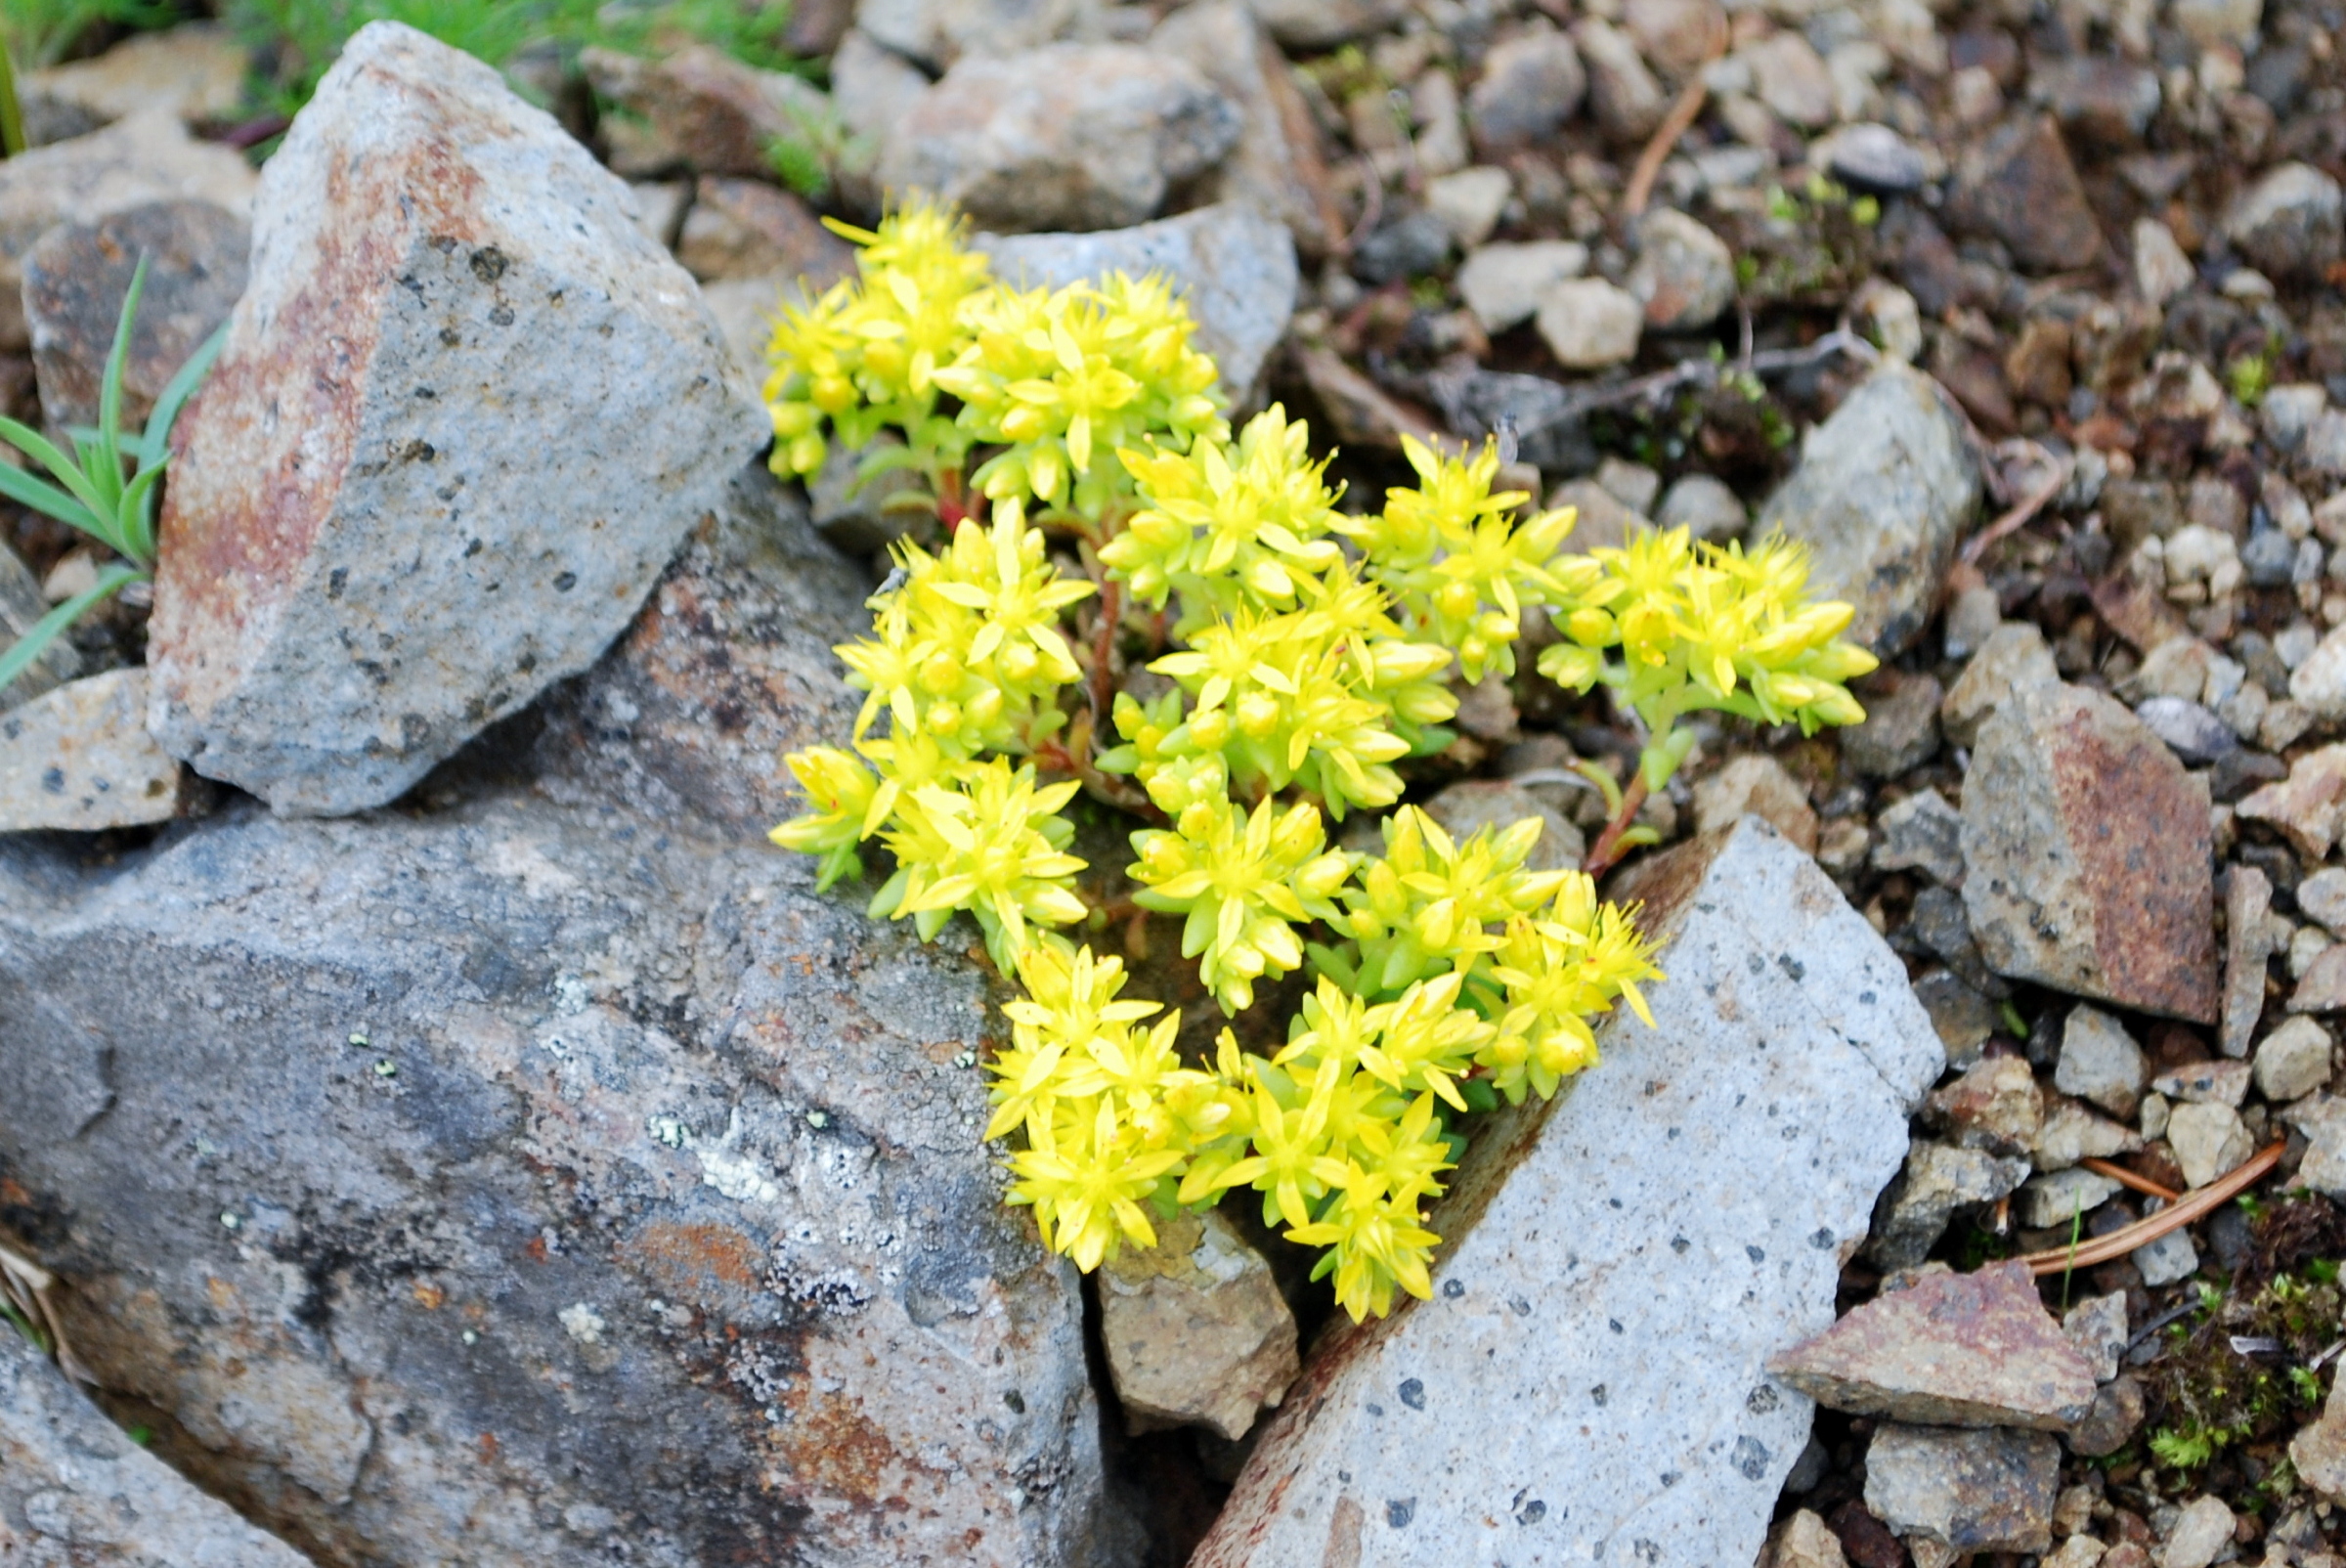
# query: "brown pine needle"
[[2118, 1243], [2127, 1178], [1675, 124]]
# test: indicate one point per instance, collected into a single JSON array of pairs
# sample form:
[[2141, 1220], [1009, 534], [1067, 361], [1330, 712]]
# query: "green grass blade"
[[117, 360], [12, 116], [137, 515], [43, 450], [153, 446], [44, 498], [46, 630]]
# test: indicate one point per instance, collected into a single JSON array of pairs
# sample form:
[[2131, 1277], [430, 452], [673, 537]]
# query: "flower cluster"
[[1302, 656], [1052, 380], [1460, 566], [1109, 1114], [966, 659], [1704, 627]]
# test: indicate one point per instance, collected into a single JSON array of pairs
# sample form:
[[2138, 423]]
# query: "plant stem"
[[1103, 654], [1608, 849], [12, 117]]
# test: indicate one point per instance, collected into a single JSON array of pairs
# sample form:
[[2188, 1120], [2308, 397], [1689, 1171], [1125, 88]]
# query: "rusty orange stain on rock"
[[688, 1259], [836, 1448]]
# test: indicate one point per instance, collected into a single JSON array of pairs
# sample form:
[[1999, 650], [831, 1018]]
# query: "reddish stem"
[[1103, 654], [1608, 849]]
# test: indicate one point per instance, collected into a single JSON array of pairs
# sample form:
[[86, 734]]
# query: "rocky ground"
[[495, 1155]]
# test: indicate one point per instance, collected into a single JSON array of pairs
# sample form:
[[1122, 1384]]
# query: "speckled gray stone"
[[1588, 1373], [76, 1491], [449, 445], [1067, 135], [1974, 1490], [1884, 488], [79, 759]]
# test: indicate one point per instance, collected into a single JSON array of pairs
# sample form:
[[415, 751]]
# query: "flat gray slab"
[[1587, 1383]]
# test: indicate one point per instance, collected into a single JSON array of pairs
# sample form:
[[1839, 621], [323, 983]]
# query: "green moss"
[[2239, 1370]]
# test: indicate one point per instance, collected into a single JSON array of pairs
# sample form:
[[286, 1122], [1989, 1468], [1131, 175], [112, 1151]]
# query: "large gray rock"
[[1069, 136], [1277, 164], [76, 1491], [1884, 489], [2089, 864], [1235, 266], [146, 157], [368, 554], [1588, 1374], [546, 1175], [872, 87]]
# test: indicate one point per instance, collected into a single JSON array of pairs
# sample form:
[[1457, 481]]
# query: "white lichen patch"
[[741, 1177], [582, 1323], [736, 1175]]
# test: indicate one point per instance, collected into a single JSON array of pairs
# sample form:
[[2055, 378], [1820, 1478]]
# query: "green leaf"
[[69, 474], [110, 385], [12, 116], [26, 490], [137, 515], [29, 646], [155, 443]]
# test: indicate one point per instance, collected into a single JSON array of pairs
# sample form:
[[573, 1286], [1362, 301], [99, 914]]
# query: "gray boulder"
[[74, 1488], [1069, 136], [1589, 1373], [1884, 488], [368, 554], [1236, 267], [546, 1175]]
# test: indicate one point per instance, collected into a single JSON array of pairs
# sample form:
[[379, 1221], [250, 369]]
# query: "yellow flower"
[[841, 791], [996, 848]]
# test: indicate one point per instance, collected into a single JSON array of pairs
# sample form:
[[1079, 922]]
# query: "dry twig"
[[2018, 518], [1675, 124], [2118, 1243], [2127, 1178]]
